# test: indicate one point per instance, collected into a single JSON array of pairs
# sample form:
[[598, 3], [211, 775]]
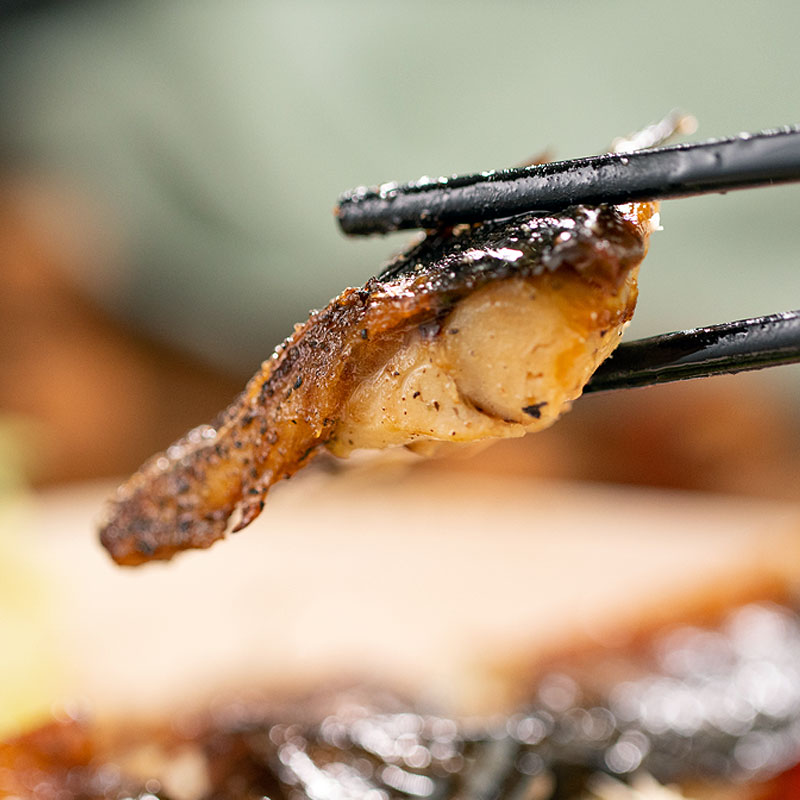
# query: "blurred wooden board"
[[412, 579]]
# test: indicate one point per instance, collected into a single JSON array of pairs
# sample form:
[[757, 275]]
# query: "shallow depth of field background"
[[171, 168], [168, 170]]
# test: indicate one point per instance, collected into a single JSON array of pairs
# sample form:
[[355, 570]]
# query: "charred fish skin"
[[581, 261], [525, 245]]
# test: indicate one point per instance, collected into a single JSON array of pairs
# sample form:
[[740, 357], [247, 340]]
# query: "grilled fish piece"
[[488, 330]]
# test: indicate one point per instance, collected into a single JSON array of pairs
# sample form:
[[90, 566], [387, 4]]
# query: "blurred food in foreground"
[[703, 707], [28, 681], [441, 584], [483, 582]]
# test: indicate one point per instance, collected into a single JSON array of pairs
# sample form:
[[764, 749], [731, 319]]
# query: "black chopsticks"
[[744, 161], [698, 353]]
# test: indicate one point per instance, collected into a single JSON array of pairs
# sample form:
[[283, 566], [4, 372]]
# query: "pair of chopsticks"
[[741, 162]]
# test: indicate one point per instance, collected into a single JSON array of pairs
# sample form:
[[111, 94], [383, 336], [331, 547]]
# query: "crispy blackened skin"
[[184, 497]]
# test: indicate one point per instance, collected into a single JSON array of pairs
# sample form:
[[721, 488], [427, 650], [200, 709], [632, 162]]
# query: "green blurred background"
[[215, 137], [172, 165]]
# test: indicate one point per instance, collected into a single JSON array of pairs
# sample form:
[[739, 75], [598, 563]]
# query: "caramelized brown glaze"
[[566, 282]]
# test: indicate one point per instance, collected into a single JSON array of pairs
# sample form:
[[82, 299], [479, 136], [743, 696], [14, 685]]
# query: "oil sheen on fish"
[[481, 331]]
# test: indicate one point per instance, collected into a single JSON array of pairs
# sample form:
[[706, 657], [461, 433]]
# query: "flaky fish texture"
[[481, 331]]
